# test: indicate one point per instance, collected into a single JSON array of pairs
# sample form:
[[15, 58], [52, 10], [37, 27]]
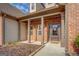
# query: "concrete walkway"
[[51, 50]]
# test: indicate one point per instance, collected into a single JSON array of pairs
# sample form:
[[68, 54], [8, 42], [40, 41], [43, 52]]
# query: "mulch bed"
[[21, 49]]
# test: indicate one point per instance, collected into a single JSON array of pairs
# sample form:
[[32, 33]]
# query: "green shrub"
[[77, 41]]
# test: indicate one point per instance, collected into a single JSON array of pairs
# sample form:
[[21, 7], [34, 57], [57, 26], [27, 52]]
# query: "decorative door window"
[[54, 29]]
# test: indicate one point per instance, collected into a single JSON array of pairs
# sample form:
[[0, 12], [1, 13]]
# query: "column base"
[[66, 52]]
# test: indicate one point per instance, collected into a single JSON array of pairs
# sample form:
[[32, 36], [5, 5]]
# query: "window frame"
[[32, 6], [31, 30], [39, 29]]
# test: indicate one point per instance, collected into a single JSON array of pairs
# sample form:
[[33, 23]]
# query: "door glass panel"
[[55, 30]]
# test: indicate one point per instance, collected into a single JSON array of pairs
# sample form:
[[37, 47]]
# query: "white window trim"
[[32, 10]]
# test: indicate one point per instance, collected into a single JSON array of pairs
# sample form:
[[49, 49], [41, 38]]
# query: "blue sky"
[[24, 7]]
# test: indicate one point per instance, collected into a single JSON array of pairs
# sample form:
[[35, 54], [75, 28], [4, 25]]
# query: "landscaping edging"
[[33, 53]]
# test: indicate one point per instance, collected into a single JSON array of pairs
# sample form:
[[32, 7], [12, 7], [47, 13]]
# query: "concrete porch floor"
[[51, 49]]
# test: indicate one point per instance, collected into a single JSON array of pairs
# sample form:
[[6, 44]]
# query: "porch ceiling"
[[7, 15], [60, 8]]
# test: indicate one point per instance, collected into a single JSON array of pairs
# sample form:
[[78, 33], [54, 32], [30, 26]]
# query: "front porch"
[[39, 26], [44, 29]]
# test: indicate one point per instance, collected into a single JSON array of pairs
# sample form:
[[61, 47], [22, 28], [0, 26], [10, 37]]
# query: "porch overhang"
[[47, 11], [7, 15]]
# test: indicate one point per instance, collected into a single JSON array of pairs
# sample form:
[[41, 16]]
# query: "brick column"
[[72, 17]]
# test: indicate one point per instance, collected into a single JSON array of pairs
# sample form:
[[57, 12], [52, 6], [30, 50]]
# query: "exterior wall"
[[35, 37], [11, 30], [72, 17], [1, 30], [23, 31]]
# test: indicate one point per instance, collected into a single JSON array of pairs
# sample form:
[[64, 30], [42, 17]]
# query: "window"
[[32, 6], [31, 30], [40, 32], [39, 29]]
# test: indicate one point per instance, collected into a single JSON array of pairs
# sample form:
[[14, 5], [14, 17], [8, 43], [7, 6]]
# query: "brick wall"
[[72, 14]]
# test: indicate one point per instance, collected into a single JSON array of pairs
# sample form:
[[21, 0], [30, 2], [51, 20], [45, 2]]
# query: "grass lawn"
[[20, 49]]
